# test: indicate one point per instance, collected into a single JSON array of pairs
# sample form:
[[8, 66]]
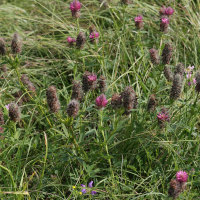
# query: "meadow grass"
[[49, 156]]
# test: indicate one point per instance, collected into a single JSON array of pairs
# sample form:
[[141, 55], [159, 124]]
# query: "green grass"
[[127, 157]]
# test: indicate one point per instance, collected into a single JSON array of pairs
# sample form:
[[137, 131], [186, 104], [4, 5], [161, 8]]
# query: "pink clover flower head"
[[90, 184], [162, 116], [101, 101], [70, 40], [169, 11], [182, 176], [94, 35], [93, 193], [165, 20], [138, 18], [75, 6], [7, 107], [92, 78]]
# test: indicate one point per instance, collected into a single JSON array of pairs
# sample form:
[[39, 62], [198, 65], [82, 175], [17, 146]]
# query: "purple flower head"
[[83, 190], [75, 6], [182, 176], [90, 183], [101, 101], [7, 106], [70, 40], [138, 18], [190, 83], [165, 20], [92, 78], [94, 35], [169, 11], [93, 193], [162, 116]]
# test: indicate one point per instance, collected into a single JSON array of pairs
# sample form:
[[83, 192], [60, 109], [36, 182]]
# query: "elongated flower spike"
[[179, 69], [176, 87], [16, 45], [154, 56], [116, 101], [139, 22], [2, 47], [80, 40], [167, 54], [164, 24], [75, 7], [52, 99], [77, 92], [197, 87], [151, 103], [168, 73], [102, 84], [14, 112], [73, 108]]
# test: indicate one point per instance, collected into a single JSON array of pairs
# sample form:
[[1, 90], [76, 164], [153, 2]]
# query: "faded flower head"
[[80, 40], [101, 101], [182, 176], [169, 11], [73, 108], [162, 10], [77, 92], [2, 47], [52, 99], [176, 87], [14, 112], [154, 56], [167, 53], [89, 81], [16, 44], [102, 84], [116, 101]]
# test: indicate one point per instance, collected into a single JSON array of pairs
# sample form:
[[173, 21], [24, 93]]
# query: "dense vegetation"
[[56, 139]]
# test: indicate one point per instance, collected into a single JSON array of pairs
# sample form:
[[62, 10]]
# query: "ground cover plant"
[[99, 99]]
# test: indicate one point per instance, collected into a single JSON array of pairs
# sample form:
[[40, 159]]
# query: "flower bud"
[[14, 112], [73, 108], [16, 45], [52, 99]]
